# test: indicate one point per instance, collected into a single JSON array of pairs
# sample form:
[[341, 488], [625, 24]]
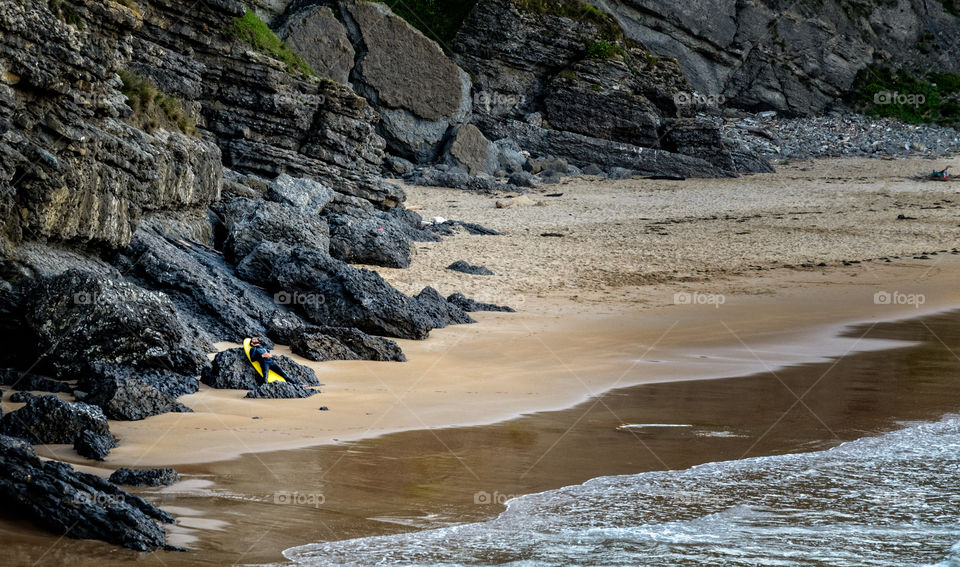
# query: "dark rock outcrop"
[[209, 298], [471, 305], [123, 396], [94, 446], [583, 150], [440, 311], [328, 292], [307, 196], [76, 504], [344, 343], [280, 390], [48, 419], [466, 268], [80, 318], [144, 477], [25, 381], [231, 370], [359, 237], [248, 223]]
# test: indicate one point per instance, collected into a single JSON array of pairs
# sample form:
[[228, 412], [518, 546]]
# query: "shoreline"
[[462, 376]]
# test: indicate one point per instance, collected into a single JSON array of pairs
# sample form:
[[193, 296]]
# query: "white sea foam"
[[888, 500]]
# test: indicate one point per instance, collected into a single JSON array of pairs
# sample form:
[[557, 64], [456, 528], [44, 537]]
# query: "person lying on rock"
[[261, 354]]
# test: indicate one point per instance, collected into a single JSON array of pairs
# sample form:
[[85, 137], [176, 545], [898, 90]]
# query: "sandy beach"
[[596, 308], [649, 282]]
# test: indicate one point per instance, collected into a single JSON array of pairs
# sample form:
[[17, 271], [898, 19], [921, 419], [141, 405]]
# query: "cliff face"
[[71, 168], [798, 57]]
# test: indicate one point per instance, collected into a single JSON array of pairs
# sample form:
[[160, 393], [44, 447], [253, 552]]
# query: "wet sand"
[[247, 510]]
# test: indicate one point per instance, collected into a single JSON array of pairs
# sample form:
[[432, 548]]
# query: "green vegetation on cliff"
[[604, 50], [437, 19], [933, 97], [152, 109], [252, 30]]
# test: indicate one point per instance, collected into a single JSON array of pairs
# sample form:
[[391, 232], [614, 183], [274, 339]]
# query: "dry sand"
[[597, 305]]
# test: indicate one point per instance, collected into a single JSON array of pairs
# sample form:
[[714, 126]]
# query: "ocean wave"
[[888, 500]]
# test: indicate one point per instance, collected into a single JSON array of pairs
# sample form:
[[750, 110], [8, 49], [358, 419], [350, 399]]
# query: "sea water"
[[888, 500]]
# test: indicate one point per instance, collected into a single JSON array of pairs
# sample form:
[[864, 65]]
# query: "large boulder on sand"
[[280, 391], [344, 343], [316, 35], [48, 419], [329, 292], [417, 89], [231, 370], [469, 149], [144, 477], [441, 311], [73, 503], [80, 318]]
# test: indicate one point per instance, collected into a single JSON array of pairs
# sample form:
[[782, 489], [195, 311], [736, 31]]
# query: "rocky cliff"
[[797, 57], [169, 178]]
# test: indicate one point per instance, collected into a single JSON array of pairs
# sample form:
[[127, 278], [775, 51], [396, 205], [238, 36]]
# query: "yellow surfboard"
[[273, 377]]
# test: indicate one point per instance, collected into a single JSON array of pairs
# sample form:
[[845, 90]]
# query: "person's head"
[[255, 341]]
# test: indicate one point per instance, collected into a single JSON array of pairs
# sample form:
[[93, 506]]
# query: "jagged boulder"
[[130, 398], [280, 390], [76, 504], [317, 35], [305, 195], [48, 419], [209, 298], [440, 311], [329, 292], [470, 305], [701, 138], [95, 446], [80, 318], [144, 477], [362, 299], [378, 239], [344, 343], [20, 380], [470, 150], [249, 223], [466, 268], [231, 370]]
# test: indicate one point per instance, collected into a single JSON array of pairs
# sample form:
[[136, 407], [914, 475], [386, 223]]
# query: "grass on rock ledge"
[[153, 109], [252, 30]]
